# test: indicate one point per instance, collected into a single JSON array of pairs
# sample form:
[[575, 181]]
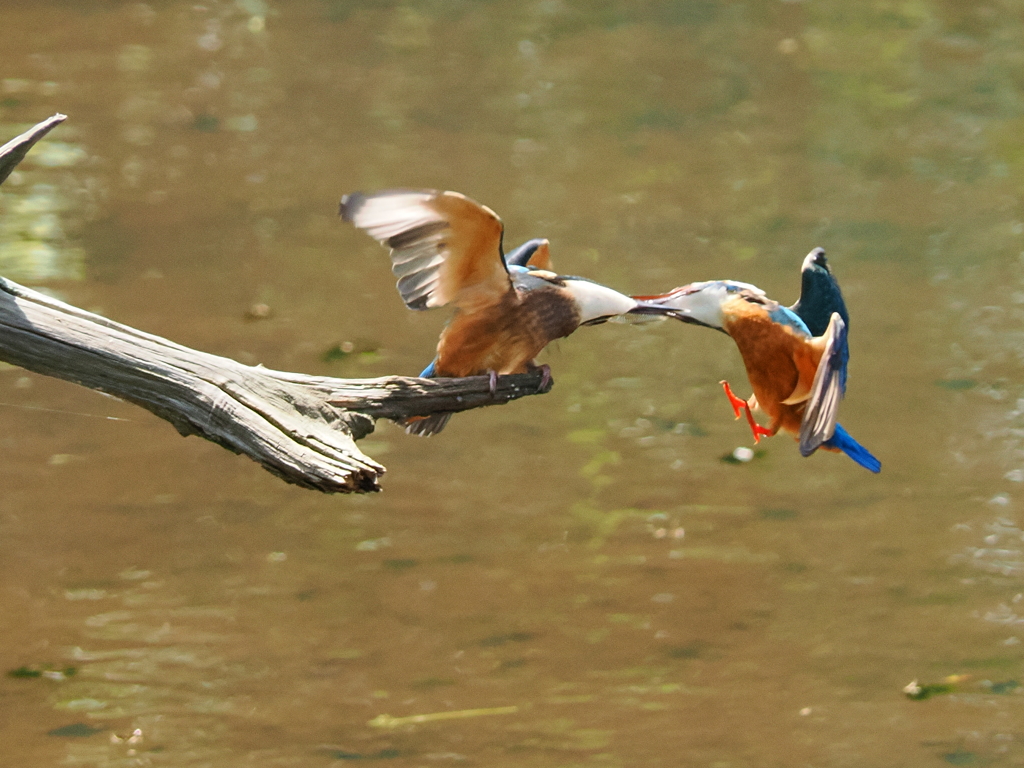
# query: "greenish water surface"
[[577, 579]]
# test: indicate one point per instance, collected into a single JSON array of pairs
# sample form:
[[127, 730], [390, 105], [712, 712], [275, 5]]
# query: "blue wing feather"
[[785, 316]]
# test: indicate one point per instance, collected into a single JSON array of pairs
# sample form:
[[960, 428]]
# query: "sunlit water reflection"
[[581, 577]]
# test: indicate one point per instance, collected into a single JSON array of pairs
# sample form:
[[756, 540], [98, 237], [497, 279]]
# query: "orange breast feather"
[[780, 363], [505, 337]]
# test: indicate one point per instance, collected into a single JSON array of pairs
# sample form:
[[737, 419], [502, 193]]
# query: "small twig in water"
[[387, 721]]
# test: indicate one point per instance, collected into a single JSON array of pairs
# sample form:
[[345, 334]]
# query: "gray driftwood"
[[302, 428], [14, 151]]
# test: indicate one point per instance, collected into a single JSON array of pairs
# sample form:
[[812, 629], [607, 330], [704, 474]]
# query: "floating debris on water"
[[917, 692], [49, 673], [372, 545], [387, 721], [133, 738], [742, 455], [258, 312]]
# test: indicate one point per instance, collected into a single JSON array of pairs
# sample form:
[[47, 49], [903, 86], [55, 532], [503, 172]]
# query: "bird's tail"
[[425, 426], [841, 441]]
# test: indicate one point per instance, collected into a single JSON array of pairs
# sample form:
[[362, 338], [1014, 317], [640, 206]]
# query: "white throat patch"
[[595, 301]]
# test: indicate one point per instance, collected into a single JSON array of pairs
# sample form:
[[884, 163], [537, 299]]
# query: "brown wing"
[[445, 248]]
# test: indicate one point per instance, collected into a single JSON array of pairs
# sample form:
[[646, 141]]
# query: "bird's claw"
[[757, 429], [740, 406], [492, 382], [545, 378]]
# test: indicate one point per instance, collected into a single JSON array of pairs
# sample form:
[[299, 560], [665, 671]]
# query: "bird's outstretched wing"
[[445, 248], [819, 421]]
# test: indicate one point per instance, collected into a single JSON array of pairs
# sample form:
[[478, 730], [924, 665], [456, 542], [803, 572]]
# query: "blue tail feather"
[[841, 439], [428, 372]]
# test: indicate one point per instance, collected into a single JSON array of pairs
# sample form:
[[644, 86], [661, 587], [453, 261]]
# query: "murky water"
[[574, 579]]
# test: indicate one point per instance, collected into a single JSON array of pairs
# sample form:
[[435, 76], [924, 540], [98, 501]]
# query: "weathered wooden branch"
[[14, 151], [302, 428]]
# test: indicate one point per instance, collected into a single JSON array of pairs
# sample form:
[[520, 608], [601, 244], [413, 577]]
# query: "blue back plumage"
[[842, 440], [785, 316], [819, 298]]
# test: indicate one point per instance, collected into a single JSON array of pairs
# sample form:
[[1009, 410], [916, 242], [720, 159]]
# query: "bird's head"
[[819, 294], [815, 261]]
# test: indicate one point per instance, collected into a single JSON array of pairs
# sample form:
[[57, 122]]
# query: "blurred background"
[[589, 572]]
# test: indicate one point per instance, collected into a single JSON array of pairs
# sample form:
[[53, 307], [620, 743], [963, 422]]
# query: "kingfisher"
[[796, 357], [447, 249]]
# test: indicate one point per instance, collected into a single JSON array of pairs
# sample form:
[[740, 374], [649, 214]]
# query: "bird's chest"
[[507, 336], [546, 313], [770, 353]]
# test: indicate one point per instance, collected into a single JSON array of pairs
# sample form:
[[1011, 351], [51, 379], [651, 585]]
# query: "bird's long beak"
[[642, 313], [657, 310], [654, 311]]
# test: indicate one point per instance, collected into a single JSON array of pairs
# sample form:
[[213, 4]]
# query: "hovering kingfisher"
[[796, 357], [447, 249]]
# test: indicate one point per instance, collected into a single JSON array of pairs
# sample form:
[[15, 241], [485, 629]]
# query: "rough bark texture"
[[301, 428]]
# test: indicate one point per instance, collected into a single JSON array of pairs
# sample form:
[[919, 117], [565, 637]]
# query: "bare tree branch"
[[302, 428], [14, 151]]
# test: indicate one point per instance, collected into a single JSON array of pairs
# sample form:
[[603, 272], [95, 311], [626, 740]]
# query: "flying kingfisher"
[[447, 249], [796, 357]]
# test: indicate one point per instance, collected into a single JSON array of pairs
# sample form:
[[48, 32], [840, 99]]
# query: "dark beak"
[[657, 309], [654, 309], [678, 314]]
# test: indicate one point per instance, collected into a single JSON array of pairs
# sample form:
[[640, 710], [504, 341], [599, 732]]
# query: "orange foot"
[[742, 406], [738, 404]]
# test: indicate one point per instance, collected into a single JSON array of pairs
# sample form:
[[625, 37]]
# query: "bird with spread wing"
[[447, 249], [796, 357]]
